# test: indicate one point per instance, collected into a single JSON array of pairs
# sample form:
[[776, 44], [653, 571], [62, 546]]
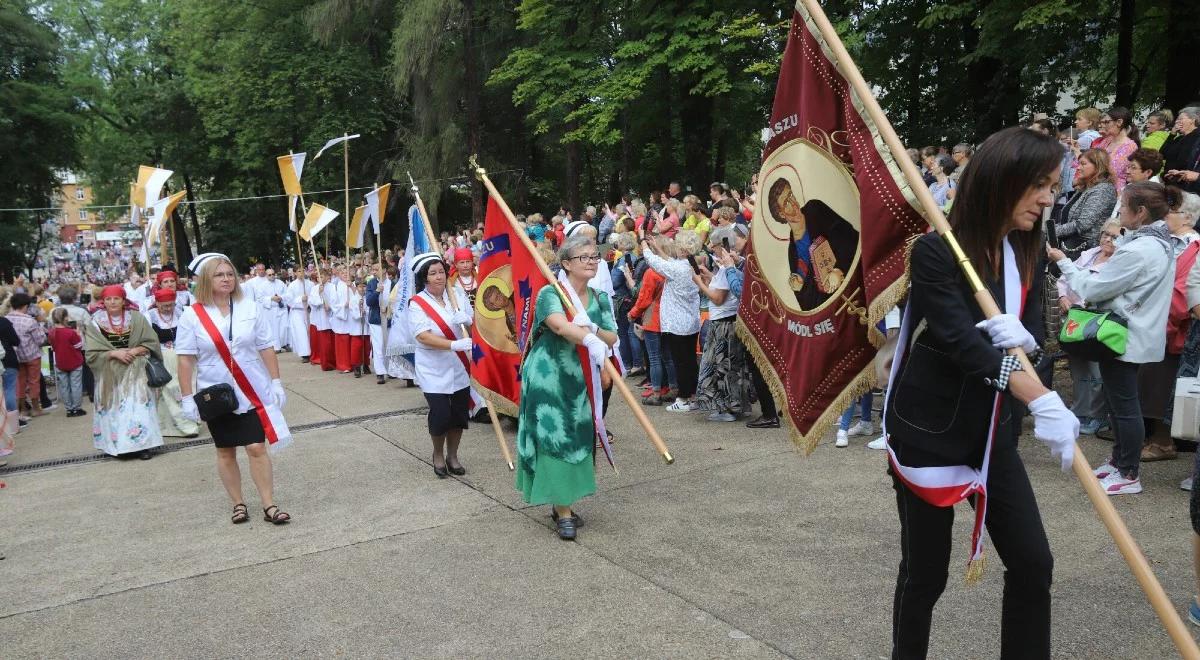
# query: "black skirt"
[[448, 411], [233, 430]]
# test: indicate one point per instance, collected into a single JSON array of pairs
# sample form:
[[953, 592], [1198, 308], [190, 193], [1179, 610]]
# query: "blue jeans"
[[662, 371], [631, 346], [864, 413], [10, 389]]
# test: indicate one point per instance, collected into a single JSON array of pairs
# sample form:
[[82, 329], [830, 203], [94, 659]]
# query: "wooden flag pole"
[[296, 231], [416, 192], [379, 237], [1125, 542], [618, 381], [346, 172]]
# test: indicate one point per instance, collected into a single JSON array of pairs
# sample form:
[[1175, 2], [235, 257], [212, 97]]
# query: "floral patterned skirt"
[[129, 424]]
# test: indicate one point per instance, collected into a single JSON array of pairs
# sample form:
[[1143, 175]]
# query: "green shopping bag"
[[1093, 334]]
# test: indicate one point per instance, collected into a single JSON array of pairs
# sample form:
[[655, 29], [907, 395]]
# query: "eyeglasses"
[[586, 258]]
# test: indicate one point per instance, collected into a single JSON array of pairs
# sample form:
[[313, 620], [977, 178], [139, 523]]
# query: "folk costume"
[[558, 415], [952, 430], [126, 417], [442, 375], [297, 310], [466, 283], [171, 420]]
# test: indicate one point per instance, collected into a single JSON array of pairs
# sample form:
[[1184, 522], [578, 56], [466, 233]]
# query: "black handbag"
[[156, 372], [217, 400]]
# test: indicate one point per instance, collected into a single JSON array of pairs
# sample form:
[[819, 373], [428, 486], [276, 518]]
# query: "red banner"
[[826, 256], [509, 281]]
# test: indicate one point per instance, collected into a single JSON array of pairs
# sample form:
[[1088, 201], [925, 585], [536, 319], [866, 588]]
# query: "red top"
[[68, 348], [649, 298]]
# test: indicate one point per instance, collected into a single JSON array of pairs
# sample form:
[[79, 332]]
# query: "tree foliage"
[[565, 102]]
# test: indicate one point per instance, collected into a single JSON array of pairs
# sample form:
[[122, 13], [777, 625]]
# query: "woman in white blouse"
[[258, 421], [679, 310], [443, 346]]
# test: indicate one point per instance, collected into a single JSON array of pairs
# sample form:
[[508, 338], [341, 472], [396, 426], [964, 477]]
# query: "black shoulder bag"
[[218, 400]]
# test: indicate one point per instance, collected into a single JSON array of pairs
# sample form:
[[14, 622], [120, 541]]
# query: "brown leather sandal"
[[240, 514], [280, 517]]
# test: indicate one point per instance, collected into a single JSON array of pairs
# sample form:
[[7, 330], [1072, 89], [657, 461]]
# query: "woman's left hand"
[[122, 355], [1054, 254], [278, 394]]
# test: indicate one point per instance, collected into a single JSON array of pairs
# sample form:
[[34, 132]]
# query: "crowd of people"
[[655, 284]]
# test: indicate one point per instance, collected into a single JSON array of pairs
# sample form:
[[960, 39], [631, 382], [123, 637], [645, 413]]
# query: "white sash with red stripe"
[[591, 374], [945, 486], [274, 426]]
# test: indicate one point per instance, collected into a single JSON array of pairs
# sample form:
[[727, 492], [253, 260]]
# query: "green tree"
[[38, 127]]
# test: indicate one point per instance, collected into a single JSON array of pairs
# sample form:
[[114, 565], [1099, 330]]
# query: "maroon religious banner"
[[828, 241]]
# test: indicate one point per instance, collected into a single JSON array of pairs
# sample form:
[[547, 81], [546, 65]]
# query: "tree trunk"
[[696, 123], [474, 92], [1183, 42], [191, 197], [571, 184], [1125, 20]]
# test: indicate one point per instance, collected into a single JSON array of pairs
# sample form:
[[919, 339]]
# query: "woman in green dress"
[[556, 437]]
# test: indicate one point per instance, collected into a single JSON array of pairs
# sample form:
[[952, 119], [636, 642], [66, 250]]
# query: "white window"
[[83, 215], [79, 193]]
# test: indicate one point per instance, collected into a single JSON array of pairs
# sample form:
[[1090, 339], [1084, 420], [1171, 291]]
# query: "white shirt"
[[438, 371], [679, 307], [720, 282], [251, 334], [358, 315], [294, 293], [337, 295]]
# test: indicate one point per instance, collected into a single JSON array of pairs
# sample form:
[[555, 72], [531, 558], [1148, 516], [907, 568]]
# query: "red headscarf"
[[113, 290], [164, 295], [165, 274], [463, 254]]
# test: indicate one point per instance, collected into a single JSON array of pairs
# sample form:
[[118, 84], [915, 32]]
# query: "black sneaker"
[[763, 423]]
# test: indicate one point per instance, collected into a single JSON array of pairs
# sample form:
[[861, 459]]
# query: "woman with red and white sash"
[[226, 338], [950, 419], [443, 347]]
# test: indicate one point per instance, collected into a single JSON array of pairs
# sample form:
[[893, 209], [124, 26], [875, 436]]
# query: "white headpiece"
[[574, 226], [421, 259], [201, 259]]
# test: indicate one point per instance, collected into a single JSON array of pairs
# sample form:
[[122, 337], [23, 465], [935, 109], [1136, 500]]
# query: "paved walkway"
[[743, 548]]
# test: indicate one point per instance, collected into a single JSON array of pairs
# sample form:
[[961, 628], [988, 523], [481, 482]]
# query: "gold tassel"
[[975, 570]]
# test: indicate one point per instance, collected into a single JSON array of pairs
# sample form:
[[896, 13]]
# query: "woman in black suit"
[[951, 419]]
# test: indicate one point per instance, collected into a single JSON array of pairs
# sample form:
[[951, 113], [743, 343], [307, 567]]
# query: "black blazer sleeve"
[[938, 289]]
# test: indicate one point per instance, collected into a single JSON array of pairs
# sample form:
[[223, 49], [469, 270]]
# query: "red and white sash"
[[440, 322], [591, 374], [945, 486], [274, 426]]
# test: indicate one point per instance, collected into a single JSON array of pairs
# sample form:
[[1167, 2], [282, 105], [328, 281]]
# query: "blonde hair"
[[204, 281], [687, 242], [1090, 114]]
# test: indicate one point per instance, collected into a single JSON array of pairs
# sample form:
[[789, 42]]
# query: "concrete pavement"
[[743, 548]]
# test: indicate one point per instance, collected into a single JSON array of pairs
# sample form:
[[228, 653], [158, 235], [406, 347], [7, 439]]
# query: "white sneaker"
[[861, 428], [718, 416], [879, 443], [1186, 484], [1104, 470], [682, 405], [1115, 484], [843, 439]]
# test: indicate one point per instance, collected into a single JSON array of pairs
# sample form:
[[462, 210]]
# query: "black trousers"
[[766, 402], [683, 353], [1015, 529]]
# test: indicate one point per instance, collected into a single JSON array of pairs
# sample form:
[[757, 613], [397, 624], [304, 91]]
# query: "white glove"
[[1055, 426], [461, 317], [463, 344], [278, 395], [597, 349], [1007, 332], [189, 408], [584, 321]]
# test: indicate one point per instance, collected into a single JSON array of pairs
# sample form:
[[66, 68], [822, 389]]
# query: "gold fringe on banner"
[[499, 402]]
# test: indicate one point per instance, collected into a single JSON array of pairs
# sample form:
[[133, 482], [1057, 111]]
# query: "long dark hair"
[[1003, 169]]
